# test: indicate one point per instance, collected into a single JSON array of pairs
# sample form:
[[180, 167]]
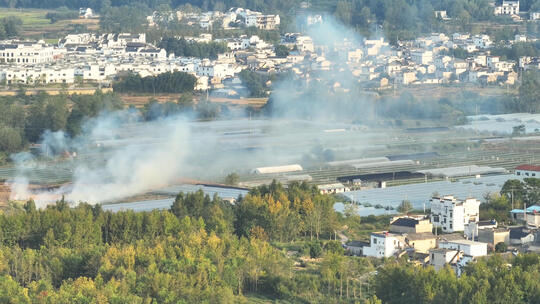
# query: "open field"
[[139, 101], [438, 92], [36, 26], [55, 91]]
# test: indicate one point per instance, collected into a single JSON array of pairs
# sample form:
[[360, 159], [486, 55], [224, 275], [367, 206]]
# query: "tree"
[[405, 207], [281, 51], [232, 179], [10, 139], [315, 249], [529, 91], [11, 26], [501, 247]]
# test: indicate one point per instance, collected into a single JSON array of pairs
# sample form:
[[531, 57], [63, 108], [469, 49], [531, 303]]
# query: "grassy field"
[[140, 100], [36, 26]]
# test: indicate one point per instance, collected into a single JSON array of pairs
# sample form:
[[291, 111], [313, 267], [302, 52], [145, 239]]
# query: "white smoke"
[[117, 155], [114, 162]]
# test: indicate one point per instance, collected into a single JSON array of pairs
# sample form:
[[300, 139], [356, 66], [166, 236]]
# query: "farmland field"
[[37, 26]]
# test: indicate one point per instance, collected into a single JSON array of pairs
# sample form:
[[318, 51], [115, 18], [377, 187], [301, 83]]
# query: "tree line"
[[24, 118], [201, 250], [489, 280], [398, 19], [170, 82], [10, 27], [184, 48]]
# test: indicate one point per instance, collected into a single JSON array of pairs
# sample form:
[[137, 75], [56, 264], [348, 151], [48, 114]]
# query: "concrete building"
[[355, 247], [494, 236], [471, 248], [472, 229], [507, 7], [384, 244], [439, 257], [528, 171], [452, 214], [421, 242], [422, 56], [332, 188], [521, 236], [411, 225], [529, 216], [26, 52]]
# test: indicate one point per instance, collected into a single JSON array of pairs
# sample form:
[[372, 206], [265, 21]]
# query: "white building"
[[260, 21], [482, 41], [452, 214], [507, 8], [332, 188], [214, 70], [384, 244], [422, 56], [528, 171], [42, 75], [520, 38], [439, 257], [86, 12], [26, 52], [530, 216], [471, 248]]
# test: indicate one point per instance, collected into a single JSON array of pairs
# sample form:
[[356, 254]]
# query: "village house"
[[384, 244], [27, 52], [410, 225], [507, 7], [529, 216], [528, 171], [468, 247], [452, 214]]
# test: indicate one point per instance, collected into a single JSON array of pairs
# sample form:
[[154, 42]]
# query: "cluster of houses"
[[463, 237], [233, 18], [98, 59], [369, 63]]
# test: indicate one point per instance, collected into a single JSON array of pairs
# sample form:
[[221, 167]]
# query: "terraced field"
[[36, 26]]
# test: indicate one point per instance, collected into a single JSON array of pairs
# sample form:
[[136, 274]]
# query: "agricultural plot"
[[37, 26]]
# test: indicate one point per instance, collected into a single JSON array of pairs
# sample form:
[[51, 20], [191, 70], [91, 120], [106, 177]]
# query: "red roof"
[[528, 168]]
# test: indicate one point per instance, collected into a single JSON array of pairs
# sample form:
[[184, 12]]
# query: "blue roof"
[[534, 208]]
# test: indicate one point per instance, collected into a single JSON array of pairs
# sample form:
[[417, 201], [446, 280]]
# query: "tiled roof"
[[528, 168]]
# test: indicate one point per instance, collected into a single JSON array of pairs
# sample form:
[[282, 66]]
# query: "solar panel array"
[[419, 194], [174, 190]]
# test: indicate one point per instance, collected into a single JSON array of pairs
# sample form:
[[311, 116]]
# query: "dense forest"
[[273, 244], [201, 250], [10, 27], [490, 280], [175, 82], [24, 118], [181, 47], [399, 19]]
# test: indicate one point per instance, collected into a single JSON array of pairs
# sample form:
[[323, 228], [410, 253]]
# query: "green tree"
[[10, 139], [501, 247], [405, 206], [281, 51], [232, 179]]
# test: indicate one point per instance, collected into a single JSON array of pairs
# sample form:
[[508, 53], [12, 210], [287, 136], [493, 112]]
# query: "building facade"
[[452, 214]]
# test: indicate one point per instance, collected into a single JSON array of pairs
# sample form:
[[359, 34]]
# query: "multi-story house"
[[452, 214]]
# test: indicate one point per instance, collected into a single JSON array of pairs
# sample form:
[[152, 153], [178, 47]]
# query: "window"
[[374, 241], [518, 173]]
